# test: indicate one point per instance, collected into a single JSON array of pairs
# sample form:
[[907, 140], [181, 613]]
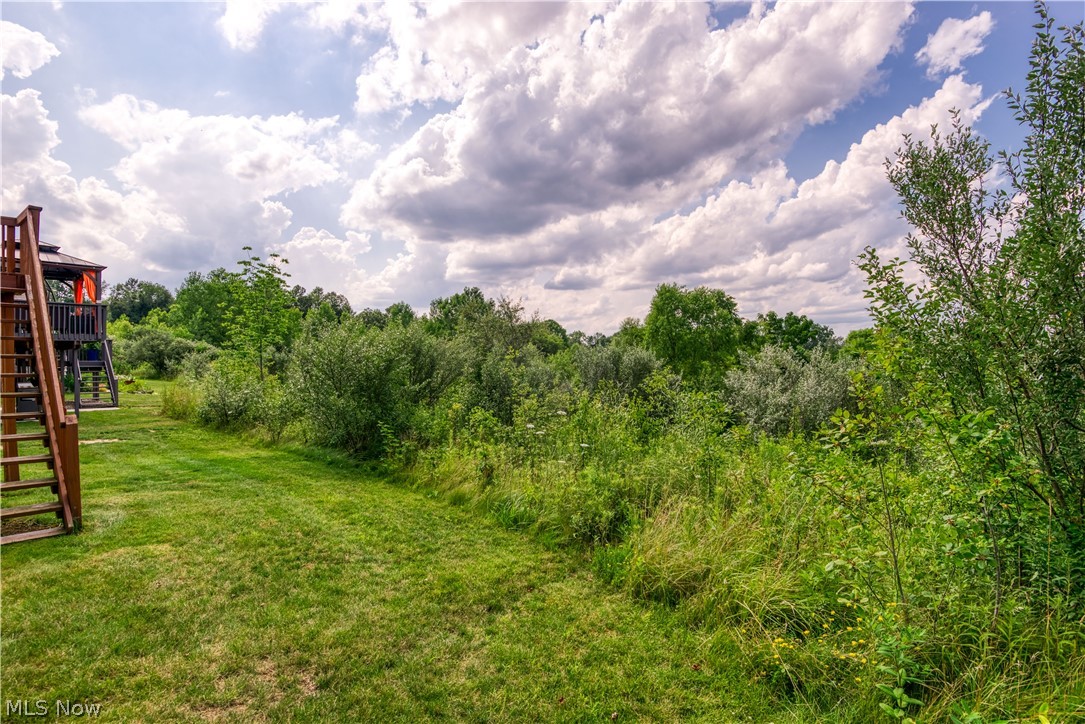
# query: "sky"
[[572, 156]]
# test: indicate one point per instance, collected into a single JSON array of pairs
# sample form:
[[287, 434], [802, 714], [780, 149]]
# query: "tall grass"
[[743, 533]]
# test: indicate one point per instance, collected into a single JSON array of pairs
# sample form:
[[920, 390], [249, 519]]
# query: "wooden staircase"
[[40, 493]]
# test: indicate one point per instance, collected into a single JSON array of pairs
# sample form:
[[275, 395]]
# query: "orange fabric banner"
[[90, 287], [79, 290]]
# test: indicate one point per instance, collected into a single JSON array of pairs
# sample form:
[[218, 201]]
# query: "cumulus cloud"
[[254, 156], [643, 104], [954, 41], [193, 189], [221, 175], [584, 154], [243, 21], [22, 51], [313, 253], [435, 51], [771, 241], [775, 243], [86, 216]]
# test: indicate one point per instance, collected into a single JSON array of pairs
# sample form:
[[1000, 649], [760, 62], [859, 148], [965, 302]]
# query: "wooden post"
[[70, 433], [9, 243]]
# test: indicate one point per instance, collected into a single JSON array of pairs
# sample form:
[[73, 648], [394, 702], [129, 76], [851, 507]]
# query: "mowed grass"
[[221, 579]]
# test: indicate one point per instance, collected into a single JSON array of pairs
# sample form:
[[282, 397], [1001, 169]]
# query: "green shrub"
[[279, 407], [231, 395], [626, 367], [198, 362], [351, 380], [777, 392], [158, 348]]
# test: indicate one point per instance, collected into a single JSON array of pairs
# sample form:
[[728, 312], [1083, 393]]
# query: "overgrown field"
[[887, 527], [221, 579]]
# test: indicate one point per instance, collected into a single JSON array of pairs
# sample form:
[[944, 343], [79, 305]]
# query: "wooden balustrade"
[[73, 322]]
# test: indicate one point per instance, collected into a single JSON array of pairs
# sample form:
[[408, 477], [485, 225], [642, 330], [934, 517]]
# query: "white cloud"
[[588, 153], [341, 15], [954, 41], [644, 104], [243, 21], [544, 181], [195, 189], [86, 217], [347, 147], [222, 175], [435, 51], [774, 243], [23, 51], [317, 258]]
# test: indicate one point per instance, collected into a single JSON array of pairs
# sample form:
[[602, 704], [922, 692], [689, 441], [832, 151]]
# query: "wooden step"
[[27, 484], [22, 393], [24, 436], [21, 511], [26, 459], [33, 535], [17, 355], [18, 374], [22, 415]]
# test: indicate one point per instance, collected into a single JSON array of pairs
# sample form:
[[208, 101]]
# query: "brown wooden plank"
[[33, 535], [27, 484], [24, 436], [22, 415], [27, 459], [21, 511]]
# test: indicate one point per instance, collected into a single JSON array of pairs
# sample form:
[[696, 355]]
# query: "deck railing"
[[77, 322], [73, 322]]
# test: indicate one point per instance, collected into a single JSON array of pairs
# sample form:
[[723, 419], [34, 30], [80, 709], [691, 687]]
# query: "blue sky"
[[572, 156]]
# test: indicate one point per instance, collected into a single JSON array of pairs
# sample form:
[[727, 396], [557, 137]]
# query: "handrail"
[[61, 426], [77, 380], [107, 355]]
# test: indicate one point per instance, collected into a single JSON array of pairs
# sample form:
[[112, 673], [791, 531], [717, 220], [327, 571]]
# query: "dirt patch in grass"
[[99, 441]]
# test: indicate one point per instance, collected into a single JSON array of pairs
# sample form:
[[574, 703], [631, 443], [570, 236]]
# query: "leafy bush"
[[279, 407], [231, 395], [777, 392], [626, 366], [157, 347], [197, 363], [350, 380]]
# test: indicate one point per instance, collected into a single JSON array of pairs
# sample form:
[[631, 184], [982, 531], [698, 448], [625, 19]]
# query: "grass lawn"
[[221, 579]]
